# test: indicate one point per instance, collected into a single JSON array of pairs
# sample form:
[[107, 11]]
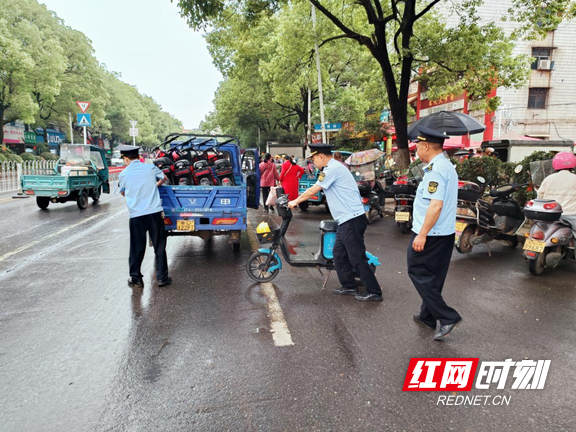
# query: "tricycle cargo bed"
[[210, 207], [50, 185]]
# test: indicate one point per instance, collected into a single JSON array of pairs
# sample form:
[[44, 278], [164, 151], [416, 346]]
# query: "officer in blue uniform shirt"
[[139, 183], [431, 246], [346, 208]]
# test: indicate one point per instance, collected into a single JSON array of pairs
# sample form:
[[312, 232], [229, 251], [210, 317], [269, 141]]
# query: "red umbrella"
[[411, 147], [453, 143]]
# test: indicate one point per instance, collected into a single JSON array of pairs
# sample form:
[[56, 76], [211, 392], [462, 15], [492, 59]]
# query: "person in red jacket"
[[289, 178], [268, 178]]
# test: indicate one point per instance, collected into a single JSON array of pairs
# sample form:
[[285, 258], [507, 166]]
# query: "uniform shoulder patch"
[[432, 186], [429, 167], [321, 176]]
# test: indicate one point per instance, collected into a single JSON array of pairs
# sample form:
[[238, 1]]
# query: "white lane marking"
[[35, 242], [278, 326]]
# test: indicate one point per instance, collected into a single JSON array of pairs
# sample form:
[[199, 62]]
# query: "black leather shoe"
[[271, 209], [133, 282], [165, 282], [424, 323], [368, 297], [444, 331], [345, 291]]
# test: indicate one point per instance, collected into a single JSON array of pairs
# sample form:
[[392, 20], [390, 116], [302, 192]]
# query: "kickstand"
[[326, 279], [488, 247]]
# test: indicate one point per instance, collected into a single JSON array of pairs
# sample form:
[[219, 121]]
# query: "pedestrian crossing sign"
[[84, 120]]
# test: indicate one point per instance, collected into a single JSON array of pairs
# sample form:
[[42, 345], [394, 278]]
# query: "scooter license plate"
[[461, 226], [185, 225], [534, 245], [402, 216]]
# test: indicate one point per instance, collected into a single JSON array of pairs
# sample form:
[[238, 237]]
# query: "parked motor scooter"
[[264, 265], [370, 200], [365, 176], [404, 194], [550, 239], [404, 189], [480, 221], [385, 185]]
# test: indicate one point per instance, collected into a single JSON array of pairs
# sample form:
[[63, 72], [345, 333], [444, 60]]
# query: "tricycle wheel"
[[256, 270], [82, 200], [96, 195], [43, 202], [304, 205]]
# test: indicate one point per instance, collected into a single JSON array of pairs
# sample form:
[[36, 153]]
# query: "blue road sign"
[[328, 126], [84, 119]]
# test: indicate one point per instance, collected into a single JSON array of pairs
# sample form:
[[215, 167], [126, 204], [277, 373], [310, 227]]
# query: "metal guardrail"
[[9, 172]]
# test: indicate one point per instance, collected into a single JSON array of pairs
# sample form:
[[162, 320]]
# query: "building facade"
[[544, 108]]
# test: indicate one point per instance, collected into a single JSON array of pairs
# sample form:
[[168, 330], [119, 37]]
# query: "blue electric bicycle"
[[264, 265]]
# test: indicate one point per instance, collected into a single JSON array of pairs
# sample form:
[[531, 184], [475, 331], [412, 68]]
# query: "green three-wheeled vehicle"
[[80, 173]]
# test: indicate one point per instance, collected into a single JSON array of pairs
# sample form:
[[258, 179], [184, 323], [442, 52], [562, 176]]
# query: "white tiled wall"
[[558, 120]]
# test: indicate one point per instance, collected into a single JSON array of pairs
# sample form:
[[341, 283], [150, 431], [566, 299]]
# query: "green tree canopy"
[[45, 67], [409, 42]]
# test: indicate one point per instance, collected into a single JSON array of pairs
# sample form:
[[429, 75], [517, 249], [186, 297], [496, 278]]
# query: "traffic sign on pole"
[[84, 119], [83, 105], [332, 127], [133, 123], [133, 132]]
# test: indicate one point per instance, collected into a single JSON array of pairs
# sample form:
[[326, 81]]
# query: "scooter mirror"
[[481, 179], [518, 169]]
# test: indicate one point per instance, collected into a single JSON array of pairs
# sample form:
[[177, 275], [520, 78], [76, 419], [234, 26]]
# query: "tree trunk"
[[399, 110]]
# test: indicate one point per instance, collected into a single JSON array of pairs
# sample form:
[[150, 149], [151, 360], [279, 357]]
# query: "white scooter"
[[551, 239]]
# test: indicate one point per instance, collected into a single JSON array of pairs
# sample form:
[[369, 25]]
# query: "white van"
[[516, 150]]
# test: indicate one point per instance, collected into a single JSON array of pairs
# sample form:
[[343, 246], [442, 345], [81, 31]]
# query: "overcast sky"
[[152, 47]]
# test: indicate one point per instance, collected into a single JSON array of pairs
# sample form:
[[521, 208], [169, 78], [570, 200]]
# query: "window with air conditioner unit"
[[542, 58], [544, 65]]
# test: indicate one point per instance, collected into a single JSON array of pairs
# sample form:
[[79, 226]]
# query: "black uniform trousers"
[[153, 224], [428, 270], [265, 193], [350, 255]]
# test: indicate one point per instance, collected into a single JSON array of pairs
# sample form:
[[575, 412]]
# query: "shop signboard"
[[13, 134], [29, 137]]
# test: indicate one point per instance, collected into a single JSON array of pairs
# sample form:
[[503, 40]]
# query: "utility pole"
[[309, 131], [320, 94], [71, 130]]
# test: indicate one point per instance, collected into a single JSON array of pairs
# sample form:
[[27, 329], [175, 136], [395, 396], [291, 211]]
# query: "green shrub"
[[27, 157], [487, 167], [11, 157], [48, 156]]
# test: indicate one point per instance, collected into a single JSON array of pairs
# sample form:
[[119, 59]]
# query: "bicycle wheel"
[[257, 270]]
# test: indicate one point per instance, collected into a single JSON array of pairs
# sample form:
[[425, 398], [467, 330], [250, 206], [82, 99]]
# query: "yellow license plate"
[[461, 226], [402, 216], [184, 225], [534, 245]]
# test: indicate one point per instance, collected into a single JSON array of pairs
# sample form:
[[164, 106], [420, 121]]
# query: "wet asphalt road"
[[80, 351]]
